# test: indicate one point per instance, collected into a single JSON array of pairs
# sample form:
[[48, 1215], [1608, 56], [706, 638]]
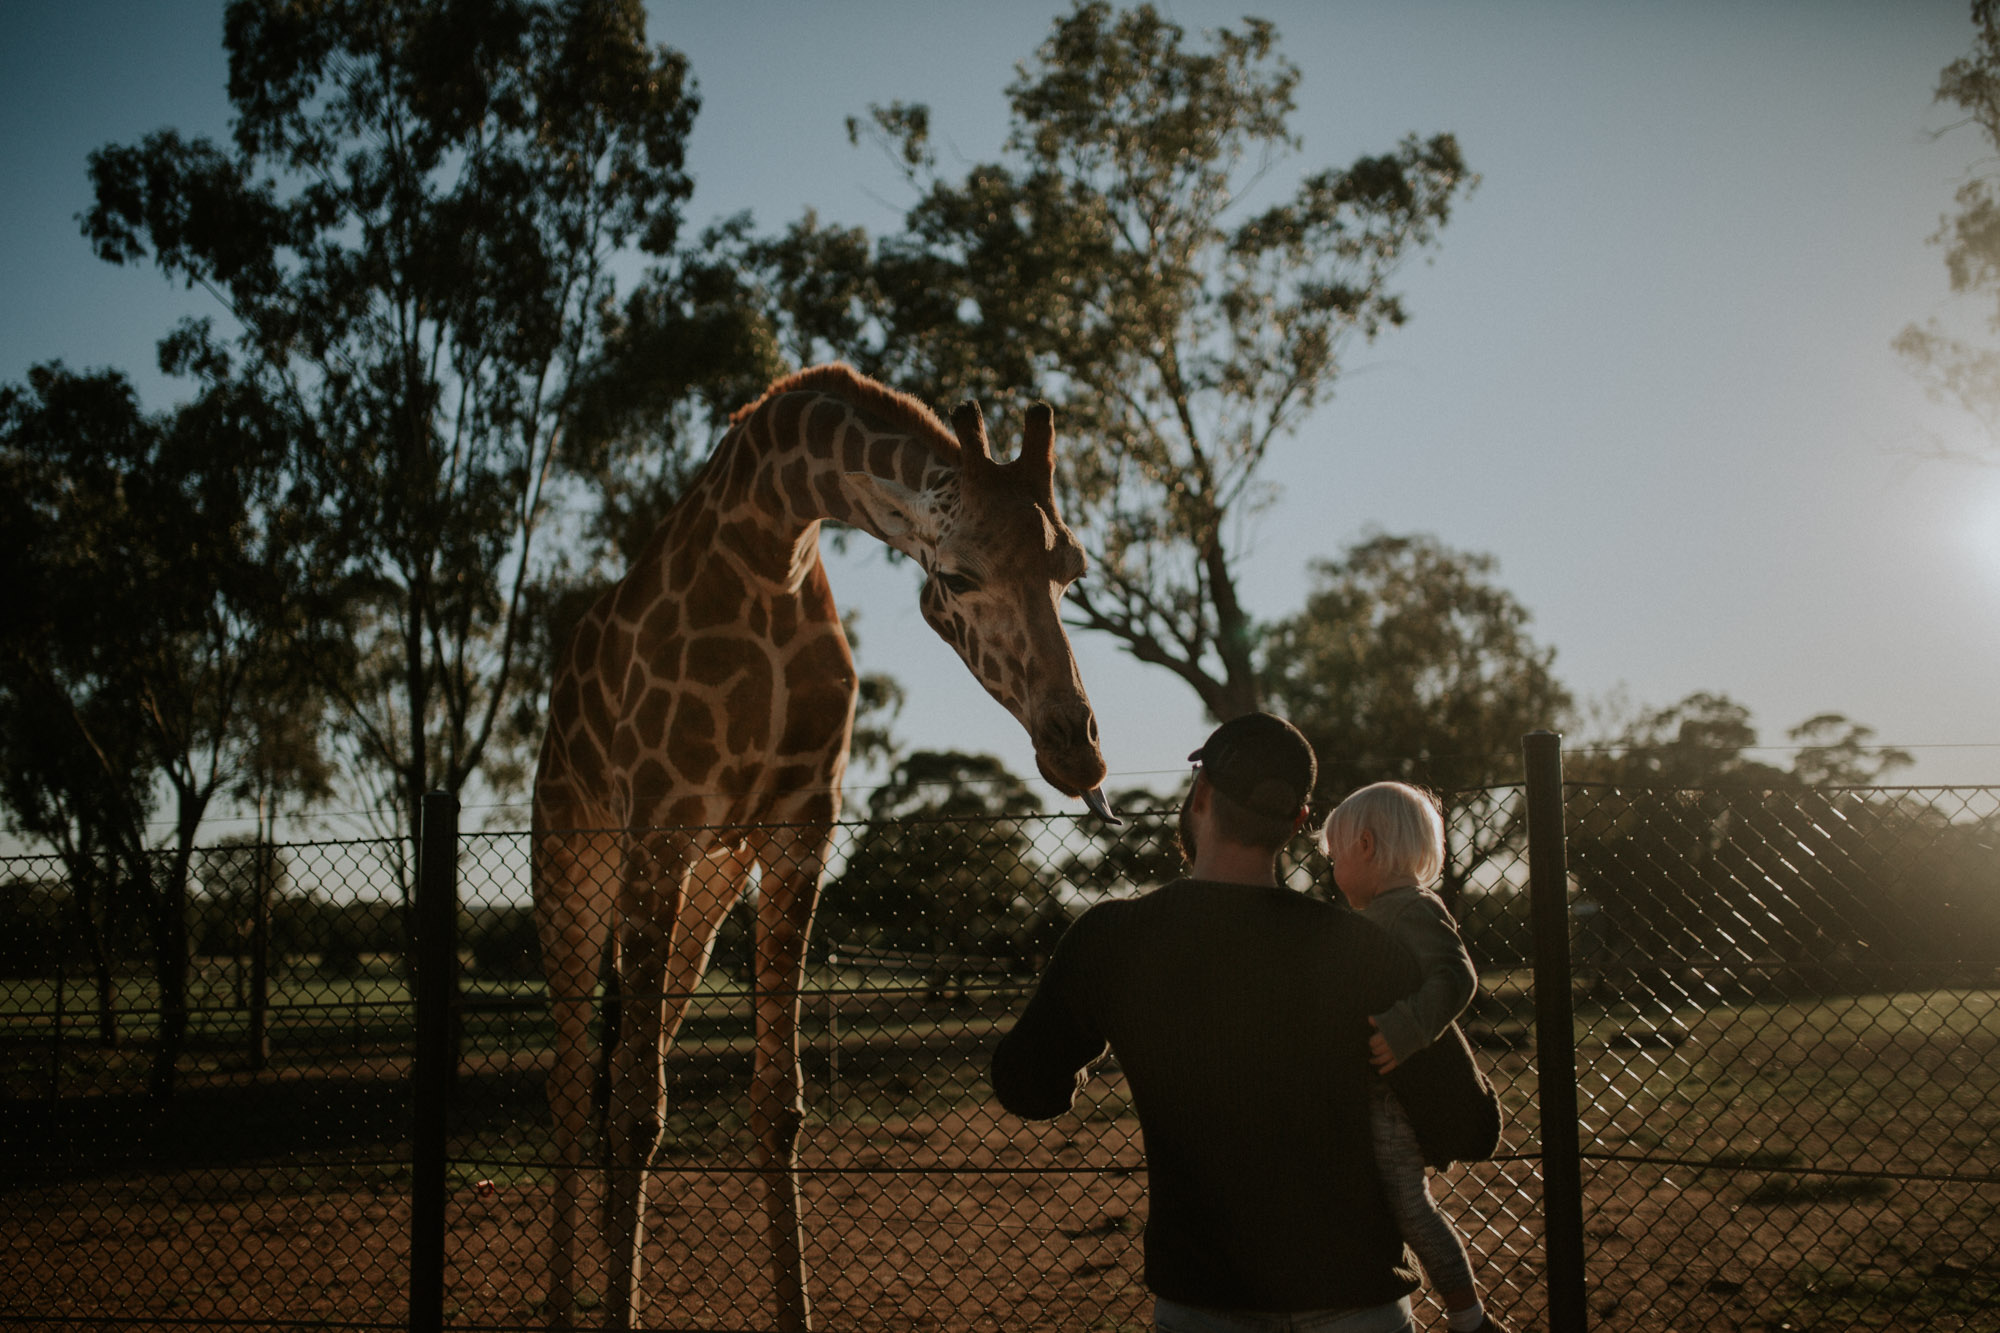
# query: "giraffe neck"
[[808, 455]]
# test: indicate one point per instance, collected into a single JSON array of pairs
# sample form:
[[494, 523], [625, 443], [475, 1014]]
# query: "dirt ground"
[[966, 1220], [1011, 1239]]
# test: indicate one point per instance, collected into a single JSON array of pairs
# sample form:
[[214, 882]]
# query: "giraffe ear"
[[968, 422], [1038, 443], [891, 510]]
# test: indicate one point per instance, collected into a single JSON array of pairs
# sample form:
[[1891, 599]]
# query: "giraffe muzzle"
[[1066, 748]]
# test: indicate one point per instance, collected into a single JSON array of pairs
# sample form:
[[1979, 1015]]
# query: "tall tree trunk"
[[170, 950], [265, 870], [169, 931], [98, 952], [1235, 642]]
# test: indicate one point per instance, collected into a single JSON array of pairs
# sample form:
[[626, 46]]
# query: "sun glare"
[[1980, 534]]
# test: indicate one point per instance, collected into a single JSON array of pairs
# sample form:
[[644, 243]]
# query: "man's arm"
[[1037, 1067]]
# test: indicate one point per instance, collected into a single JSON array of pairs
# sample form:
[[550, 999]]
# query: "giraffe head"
[[997, 558]]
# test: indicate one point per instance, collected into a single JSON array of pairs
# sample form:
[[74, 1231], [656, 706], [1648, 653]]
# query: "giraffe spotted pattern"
[[699, 726]]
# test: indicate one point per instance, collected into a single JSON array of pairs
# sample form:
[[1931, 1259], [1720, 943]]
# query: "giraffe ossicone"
[[699, 727]]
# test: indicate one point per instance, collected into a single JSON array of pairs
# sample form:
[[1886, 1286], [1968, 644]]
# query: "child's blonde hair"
[[1409, 831]]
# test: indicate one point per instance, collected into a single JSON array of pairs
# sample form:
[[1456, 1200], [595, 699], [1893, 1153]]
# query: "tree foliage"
[[1708, 740], [1704, 859], [1956, 370], [944, 864], [1129, 261], [1409, 662], [688, 346], [158, 642], [412, 232]]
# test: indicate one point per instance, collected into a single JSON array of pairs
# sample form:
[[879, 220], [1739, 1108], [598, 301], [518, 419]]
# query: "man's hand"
[[1379, 1053]]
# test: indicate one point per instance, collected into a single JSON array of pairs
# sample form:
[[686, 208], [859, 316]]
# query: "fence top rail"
[[17, 865], [1030, 817], [1751, 788], [398, 843], [906, 960]]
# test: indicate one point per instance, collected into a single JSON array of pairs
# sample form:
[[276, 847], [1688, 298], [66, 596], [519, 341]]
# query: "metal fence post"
[[56, 1044], [1555, 1035], [260, 949], [436, 965]]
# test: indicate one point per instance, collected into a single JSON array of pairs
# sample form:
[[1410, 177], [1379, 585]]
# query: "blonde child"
[[1386, 842]]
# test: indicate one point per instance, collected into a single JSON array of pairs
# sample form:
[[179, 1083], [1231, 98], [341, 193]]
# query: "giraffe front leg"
[[637, 1096], [568, 1091], [777, 1110], [571, 878]]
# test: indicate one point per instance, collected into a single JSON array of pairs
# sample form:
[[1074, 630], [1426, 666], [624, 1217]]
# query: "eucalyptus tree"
[[1409, 661], [159, 631], [1145, 256], [945, 863], [413, 233], [75, 777], [1695, 848], [73, 773]]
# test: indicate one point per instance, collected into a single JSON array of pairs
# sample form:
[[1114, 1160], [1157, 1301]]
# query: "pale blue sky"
[[1648, 368]]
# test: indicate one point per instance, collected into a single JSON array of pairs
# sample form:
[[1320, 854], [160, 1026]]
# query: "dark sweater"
[[1239, 1015]]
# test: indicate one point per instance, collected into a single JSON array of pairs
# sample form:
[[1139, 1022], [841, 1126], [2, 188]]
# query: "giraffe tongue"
[[1094, 798]]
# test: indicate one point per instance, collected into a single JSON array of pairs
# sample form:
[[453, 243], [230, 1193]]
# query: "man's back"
[[1238, 1014]]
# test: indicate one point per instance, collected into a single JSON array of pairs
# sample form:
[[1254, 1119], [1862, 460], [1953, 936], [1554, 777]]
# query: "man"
[[1238, 1012]]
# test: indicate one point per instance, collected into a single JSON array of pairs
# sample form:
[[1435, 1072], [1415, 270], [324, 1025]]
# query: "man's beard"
[[1185, 831]]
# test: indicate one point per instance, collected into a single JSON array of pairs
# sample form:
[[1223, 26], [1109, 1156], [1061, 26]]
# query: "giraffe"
[[699, 724]]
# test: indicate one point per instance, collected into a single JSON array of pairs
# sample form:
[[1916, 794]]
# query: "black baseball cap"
[[1261, 762]]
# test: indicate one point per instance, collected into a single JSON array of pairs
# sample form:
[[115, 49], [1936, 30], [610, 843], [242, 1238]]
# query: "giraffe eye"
[[957, 584]]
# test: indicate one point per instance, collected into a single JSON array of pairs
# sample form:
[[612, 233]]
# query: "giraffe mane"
[[839, 380]]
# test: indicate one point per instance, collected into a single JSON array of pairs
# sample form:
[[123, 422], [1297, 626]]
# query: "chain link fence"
[[272, 1184], [1788, 1053], [1783, 1044]]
